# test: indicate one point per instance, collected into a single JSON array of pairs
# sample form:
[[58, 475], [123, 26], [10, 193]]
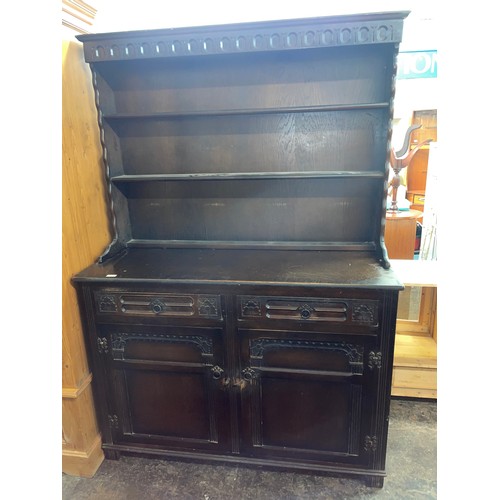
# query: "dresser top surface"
[[244, 267]]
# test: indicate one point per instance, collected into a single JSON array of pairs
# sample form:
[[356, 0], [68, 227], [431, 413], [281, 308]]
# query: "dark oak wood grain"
[[245, 309]]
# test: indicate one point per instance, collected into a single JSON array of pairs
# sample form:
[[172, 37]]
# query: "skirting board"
[[83, 464]]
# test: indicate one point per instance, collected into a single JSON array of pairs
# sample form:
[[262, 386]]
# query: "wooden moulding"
[[83, 464], [81, 454], [74, 392], [85, 233]]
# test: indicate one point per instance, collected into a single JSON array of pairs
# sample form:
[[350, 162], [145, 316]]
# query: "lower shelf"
[[415, 353], [415, 367]]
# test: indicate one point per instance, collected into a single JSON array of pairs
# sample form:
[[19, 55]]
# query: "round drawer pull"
[[248, 374], [217, 372], [305, 312], [157, 306]]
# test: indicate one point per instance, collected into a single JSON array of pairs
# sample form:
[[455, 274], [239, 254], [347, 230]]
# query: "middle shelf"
[[245, 176], [240, 207], [269, 143]]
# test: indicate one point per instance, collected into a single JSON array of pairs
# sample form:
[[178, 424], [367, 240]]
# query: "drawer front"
[[348, 311], [417, 199], [158, 304]]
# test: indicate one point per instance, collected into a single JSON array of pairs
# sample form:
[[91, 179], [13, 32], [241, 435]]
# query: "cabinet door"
[[307, 396], [167, 387]]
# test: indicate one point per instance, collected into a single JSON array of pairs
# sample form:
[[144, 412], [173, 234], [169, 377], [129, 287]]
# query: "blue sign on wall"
[[418, 64]]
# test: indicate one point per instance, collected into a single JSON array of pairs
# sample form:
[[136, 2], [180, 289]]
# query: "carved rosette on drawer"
[[159, 304], [361, 312], [365, 312], [107, 303], [250, 307]]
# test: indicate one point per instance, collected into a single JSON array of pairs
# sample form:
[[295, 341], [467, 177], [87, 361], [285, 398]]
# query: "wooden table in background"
[[400, 233]]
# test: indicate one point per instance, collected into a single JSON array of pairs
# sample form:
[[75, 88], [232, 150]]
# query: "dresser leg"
[[112, 454], [375, 481]]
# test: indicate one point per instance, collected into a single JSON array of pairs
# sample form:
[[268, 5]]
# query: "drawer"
[[123, 303], [417, 199], [295, 309]]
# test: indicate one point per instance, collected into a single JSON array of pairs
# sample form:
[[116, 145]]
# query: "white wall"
[[419, 33], [118, 15]]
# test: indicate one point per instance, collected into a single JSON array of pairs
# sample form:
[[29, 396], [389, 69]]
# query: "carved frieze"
[[233, 39], [119, 341], [354, 353]]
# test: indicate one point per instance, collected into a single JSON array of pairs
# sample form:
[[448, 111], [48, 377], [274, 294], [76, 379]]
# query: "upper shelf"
[[250, 111]]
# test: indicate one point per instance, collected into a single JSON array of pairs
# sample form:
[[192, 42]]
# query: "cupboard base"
[[111, 454], [373, 478]]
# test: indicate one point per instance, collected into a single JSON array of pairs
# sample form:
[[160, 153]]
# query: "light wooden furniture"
[[417, 199], [84, 235], [417, 170], [415, 356], [400, 233]]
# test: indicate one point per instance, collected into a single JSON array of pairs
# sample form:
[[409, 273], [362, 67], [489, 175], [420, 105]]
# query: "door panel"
[[185, 416], [318, 414], [168, 386], [306, 396]]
